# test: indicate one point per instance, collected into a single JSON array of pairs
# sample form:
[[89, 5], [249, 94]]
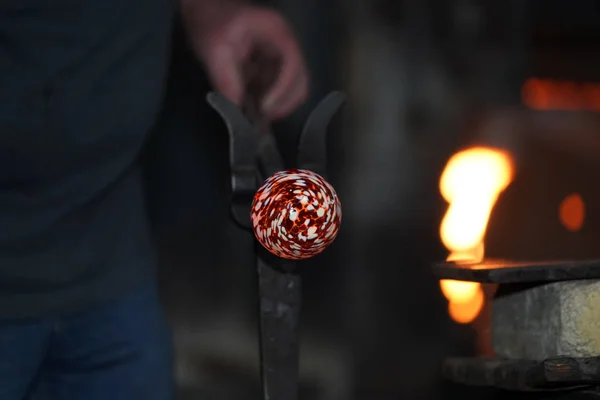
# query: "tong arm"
[[312, 147], [243, 147]]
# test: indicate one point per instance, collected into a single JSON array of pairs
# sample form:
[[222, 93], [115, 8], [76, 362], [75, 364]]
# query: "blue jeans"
[[116, 351]]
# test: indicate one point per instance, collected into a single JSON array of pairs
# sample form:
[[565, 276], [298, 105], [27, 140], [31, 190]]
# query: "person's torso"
[[81, 85]]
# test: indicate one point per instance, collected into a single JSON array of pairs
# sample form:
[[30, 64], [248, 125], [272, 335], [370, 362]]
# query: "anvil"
[[545, 328]]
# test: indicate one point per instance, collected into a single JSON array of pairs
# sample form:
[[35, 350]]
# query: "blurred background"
[[470, 131]]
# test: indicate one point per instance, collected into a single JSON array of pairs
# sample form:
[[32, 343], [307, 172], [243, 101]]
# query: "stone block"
[[546, 320]]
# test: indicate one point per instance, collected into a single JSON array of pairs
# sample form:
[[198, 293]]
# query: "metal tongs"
[[253, 157]]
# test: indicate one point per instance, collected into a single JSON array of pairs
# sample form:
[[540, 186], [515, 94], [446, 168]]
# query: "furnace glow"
[[471, 183]]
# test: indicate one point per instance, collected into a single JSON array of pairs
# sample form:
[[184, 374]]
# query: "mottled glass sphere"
[[296, 214]]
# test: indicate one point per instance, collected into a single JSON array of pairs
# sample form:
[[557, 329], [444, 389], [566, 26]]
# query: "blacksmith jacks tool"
[[253, 157]]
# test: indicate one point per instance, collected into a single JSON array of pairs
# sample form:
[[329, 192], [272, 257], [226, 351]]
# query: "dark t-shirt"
[[81, 85]]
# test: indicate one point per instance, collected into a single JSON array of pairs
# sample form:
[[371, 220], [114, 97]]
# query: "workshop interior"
[[470, 134]]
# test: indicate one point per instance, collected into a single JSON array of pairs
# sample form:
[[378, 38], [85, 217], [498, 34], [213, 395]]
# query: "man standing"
[[81, 85]]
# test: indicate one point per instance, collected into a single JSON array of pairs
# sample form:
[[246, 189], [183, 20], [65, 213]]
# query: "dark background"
[[424, 78]]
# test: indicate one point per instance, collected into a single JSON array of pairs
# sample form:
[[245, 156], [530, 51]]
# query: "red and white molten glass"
[[296, 214]]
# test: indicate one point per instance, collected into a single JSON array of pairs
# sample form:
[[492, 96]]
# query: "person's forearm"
[[208, 12]]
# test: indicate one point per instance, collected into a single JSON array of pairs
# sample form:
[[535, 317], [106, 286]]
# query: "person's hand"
[[226, 35]]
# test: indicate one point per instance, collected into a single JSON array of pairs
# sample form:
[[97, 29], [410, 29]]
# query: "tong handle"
[[260, 75]]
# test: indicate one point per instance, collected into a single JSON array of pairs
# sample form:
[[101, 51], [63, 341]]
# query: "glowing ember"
[[571, 212], [550, 94], [296, 214], [471, 183]]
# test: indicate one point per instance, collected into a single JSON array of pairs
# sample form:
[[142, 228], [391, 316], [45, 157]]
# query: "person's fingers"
[[223, 69], [293, 98], [227, 54]]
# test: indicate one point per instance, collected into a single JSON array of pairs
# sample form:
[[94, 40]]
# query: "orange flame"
[[471, 183]]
